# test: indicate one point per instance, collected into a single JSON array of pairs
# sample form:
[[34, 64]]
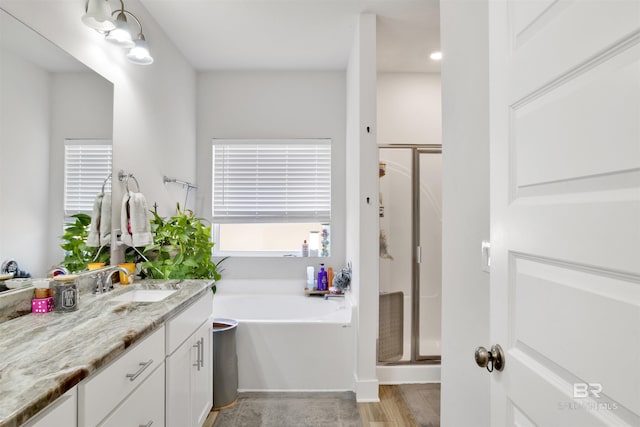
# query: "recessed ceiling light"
[[436, 56]]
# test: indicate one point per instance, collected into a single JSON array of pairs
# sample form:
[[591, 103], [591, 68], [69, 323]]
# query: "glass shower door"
[[396, 270], [430, 264], [410, 254]]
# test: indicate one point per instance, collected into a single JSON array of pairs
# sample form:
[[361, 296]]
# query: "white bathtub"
[[287, 341], [282, 308]]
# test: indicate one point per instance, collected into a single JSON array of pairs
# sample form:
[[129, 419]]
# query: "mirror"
[[47, 100]]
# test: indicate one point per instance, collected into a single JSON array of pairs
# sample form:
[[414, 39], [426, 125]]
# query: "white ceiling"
[[297, 34]]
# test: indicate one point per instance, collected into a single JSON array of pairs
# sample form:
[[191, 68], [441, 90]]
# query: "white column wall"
[[362, 202], [465, 289]]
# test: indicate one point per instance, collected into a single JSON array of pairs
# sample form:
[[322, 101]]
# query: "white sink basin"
[[144, 295]]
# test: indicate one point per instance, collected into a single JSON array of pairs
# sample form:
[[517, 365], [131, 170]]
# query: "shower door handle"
[[419, 254]]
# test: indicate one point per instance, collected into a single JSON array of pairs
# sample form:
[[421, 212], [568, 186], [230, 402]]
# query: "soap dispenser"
[[322, 279]]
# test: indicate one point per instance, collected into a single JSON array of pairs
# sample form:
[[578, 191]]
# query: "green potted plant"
[[76, 252], [181, 248]]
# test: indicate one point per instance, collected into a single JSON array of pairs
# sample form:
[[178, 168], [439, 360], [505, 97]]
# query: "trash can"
[[225, 362]]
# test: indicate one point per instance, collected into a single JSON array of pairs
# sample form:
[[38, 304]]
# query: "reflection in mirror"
[[48, 101]]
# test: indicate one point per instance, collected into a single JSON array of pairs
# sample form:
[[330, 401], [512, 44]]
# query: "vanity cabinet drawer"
[[102, 393], [185, 323], [145, 406]]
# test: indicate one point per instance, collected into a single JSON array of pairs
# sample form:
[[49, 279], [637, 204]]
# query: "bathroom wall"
[[274, 104], [24, 124], [409, 108], [153, 106]]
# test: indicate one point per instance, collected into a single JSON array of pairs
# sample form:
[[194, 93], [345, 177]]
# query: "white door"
[[565, 211]]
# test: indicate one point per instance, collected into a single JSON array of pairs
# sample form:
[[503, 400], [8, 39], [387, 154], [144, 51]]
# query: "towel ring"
[[126, 183], [105, 182], [125, 177]]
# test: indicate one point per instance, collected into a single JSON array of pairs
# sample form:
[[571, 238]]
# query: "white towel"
[[93, 239], [136, 228], [105, 220]]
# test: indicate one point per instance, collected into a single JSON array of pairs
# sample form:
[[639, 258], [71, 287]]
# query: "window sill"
[[274, 254]]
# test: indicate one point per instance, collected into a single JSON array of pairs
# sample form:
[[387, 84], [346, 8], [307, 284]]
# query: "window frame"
[[104, 181], [215, 227]]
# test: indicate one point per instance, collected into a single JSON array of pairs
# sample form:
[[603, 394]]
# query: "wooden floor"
[[391, 411], [210, 419]]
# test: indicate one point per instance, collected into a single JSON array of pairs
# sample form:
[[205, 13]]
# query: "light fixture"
[[98, 15], [121, 35], [139, 52], [436, 56], [120, 31]]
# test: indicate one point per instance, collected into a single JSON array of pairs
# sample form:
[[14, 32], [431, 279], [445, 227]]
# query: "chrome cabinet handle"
[[147, 424], [202, 350], [197, 364], [143, 366]]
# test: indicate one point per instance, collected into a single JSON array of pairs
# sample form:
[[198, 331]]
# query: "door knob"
[[490, 359]]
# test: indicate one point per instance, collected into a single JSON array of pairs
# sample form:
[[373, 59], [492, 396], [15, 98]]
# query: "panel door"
[[565, 211]]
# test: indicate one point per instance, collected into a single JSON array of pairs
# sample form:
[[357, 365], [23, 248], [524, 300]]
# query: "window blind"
[[87, 163], [271, 181]]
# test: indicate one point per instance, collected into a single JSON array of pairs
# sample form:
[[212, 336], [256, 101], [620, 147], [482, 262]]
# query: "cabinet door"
[[178, 385], [202, 384], [61, 413], [144, 407], [189, 394]]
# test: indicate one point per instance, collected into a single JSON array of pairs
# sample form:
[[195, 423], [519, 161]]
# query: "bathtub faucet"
[[327, 296]]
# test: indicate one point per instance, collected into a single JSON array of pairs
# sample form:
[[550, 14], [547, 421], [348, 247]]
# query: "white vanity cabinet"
[[189, 385], [61, 413], [120, 390]]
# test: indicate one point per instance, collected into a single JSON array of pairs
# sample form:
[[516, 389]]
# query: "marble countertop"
[[44, 355]]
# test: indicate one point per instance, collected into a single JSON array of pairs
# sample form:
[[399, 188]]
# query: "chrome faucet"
[[104, 283], [327, 296]]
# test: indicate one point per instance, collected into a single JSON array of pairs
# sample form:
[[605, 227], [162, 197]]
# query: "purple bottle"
[[322, 279]]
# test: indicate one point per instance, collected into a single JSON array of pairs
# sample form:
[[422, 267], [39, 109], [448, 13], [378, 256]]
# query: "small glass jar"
[[65, 295]]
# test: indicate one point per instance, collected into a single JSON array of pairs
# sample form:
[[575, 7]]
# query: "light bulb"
[[121, 35], [98, 16], [139, 53]]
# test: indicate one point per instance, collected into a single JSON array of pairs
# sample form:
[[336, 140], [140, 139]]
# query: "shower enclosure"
[[410, 254]]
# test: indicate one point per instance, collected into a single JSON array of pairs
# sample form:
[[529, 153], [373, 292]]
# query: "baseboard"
[[408, 374], [367, 390], [296, 390]]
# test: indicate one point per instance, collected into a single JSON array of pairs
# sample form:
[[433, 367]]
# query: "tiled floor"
[[291, 409], [413, 405]]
